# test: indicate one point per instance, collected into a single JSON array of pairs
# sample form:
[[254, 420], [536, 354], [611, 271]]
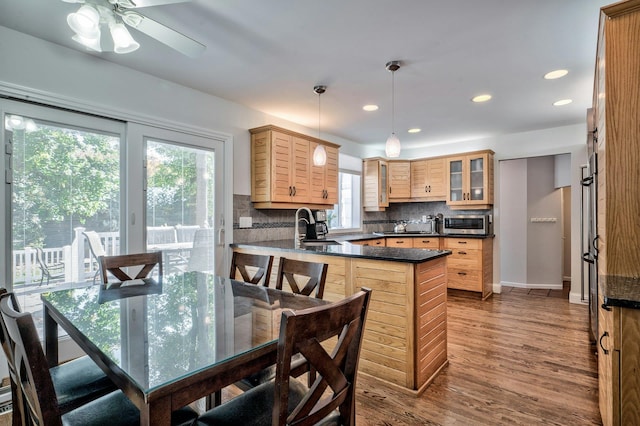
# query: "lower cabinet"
[[618, 364], [470, 265], [405, 242], [380, 242]]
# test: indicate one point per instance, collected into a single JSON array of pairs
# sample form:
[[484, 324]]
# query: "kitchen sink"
[[320, 243]]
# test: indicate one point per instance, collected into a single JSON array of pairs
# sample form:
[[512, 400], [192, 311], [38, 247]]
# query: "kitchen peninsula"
[[405, 340]]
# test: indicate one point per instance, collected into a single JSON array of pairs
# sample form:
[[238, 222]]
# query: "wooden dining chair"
[[114, 265], [302, 277], [253, 268], [286, 400], [39, 396], [75, 383]]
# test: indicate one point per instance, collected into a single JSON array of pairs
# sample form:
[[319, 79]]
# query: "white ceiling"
[[268, 55]]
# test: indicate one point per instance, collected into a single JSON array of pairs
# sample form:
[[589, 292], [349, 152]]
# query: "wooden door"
[[331, 176], [435, 178], [282, 163], [301, 171], [399, 180], [419, 188], [608, 365]]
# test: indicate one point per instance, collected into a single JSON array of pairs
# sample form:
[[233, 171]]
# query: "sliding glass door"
[[77, 185]]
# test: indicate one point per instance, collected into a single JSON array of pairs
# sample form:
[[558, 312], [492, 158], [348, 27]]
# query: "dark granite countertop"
[[620, 291], [346, 249]]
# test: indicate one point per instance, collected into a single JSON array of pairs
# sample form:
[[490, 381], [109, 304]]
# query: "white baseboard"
[[532, 285], [497, 288], [566, 278], [577, 299]]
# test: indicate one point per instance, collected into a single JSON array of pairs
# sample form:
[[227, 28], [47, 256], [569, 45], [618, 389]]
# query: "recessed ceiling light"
[[555, 74], [370, 107], [481, 98], [562, 102], [414, 130]]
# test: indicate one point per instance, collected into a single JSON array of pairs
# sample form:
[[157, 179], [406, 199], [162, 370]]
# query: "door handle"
[[587, 258], [604, 351]]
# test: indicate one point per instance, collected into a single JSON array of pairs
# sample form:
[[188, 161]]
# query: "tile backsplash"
[[275, 224]]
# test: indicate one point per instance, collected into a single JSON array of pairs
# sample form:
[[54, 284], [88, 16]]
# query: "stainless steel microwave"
[[467, 224]]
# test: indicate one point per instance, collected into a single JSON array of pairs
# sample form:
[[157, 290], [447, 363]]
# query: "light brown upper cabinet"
[[470, 180], [399, 180], [324, 179], [428, 180], [376, 185], [282, 170]]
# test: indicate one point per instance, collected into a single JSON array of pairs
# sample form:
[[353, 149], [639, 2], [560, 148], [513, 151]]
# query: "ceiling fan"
[[85, 22]]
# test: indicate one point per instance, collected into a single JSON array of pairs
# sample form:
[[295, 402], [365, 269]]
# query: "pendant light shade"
[[392, 147], [122, 40], [319, 154], [85, 22]]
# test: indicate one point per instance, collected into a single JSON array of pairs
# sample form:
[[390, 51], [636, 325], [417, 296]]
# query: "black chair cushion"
[[252, 408], [78, 382], [255, 407], [101, 413]]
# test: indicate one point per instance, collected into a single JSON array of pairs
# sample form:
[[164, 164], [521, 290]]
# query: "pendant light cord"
[[393, 102]]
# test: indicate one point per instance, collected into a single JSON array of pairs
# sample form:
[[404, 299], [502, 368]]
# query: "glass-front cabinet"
[[376, 184], [470, 180]]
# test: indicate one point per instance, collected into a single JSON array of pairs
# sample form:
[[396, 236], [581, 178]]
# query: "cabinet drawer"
[[375, 242], [400, 242], [465, 259], [427, 242], [464, 279], [468, 243]]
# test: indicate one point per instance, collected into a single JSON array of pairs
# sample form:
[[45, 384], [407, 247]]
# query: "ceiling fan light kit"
[[392, 147], [115, 14]]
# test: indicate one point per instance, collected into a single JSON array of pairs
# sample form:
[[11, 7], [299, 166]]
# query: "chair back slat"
[[114, 265], [33, 375], [259, 267], [306, 331], [302, 277]]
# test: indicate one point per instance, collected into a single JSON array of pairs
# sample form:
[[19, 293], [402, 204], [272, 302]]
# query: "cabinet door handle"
[[425, 188], [429, 188], [378, 243], [426, 241], [462, 242], [294, 191], [462, 252], [389, 190], [290, 191], [400, 242], [604, 351], [462, 273]]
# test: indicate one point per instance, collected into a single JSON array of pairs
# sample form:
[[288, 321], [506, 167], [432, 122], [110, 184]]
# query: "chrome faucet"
[[296, 237]]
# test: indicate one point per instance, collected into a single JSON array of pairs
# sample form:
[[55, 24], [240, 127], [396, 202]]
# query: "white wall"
[[513, 227], [64, 77], [544, 239]]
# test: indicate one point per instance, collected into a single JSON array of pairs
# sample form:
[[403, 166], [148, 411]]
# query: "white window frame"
[[358, 199]]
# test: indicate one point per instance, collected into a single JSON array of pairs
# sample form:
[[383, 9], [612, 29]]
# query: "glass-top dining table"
[[168, 343]]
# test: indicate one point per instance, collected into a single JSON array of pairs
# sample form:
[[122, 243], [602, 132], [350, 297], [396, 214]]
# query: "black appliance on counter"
[[319, 229], [588, 225]]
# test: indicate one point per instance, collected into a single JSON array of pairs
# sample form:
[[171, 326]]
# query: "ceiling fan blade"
[[180, 42], [130, 4]]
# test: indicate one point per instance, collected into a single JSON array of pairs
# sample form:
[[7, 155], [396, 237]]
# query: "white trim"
[[531, 286], [497, 288], [577, 299], [81, 106]]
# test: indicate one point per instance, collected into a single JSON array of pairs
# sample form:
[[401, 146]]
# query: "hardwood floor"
[[520, 357]]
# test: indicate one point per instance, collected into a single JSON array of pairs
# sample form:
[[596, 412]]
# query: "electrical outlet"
[[246, 222]]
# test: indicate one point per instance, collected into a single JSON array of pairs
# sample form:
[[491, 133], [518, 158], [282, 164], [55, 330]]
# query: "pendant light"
[[392, 147], [319, 154]]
